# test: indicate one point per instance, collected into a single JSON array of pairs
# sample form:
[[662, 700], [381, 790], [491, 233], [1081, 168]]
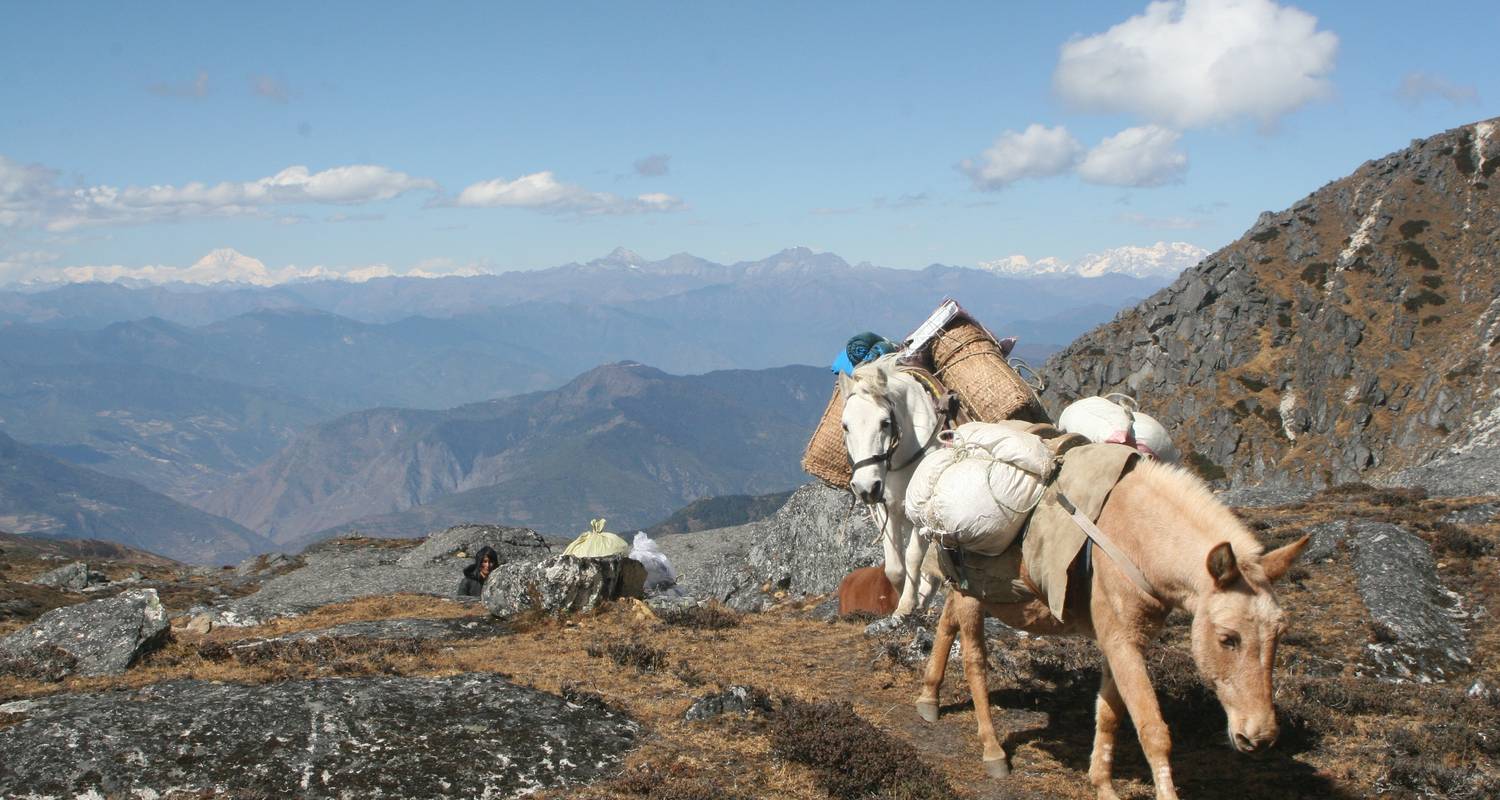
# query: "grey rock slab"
[[74, 576], [100, 637], [466, 736], [513, 544], [1265, 496], [1326, 538], [1482, 514], [1419, 636]]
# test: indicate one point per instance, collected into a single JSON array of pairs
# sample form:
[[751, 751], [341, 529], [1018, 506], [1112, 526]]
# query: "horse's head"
[[872, 431], [1236, 625]]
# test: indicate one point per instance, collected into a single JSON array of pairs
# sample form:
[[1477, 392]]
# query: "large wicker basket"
[[969, 362], [826, 456]]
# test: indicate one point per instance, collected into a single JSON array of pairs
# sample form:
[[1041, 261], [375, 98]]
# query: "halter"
[[933, 390]]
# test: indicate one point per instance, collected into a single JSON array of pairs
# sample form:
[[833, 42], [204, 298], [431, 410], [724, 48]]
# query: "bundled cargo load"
[[976, 491], [596, 542], [1116, 418], [960, 354]]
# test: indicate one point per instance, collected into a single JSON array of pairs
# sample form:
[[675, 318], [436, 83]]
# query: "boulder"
[[464, 736], [807, 547], [513, 544], [561, 584], [74, 577], [1418, 635], [732, 700], [102, 637]]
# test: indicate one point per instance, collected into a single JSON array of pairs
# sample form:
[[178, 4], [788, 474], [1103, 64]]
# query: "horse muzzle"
[[869, 495]]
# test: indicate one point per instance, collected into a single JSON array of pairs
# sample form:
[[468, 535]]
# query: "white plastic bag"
[[1107, 419], [659, 572], [977, 491]]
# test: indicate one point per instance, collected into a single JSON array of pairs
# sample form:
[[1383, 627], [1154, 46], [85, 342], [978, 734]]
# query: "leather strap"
[[1106, 544]]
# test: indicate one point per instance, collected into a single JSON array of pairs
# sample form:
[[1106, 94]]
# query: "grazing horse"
[[889, 424], [1194, 555], [867, 589]]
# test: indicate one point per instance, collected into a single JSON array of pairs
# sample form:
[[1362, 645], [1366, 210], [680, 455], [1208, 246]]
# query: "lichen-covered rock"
[[561, 585], [102, 637], [512, 544], [732, 700], [464, 736], [807, 547], [1267, 364], [1417, 621], [73, 577]]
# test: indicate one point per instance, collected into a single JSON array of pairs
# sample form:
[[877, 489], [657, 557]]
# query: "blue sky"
[[517, 136]]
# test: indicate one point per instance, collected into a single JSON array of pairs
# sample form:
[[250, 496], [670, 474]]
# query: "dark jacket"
[[473, 585]]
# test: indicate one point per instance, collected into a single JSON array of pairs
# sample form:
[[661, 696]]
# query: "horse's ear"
[[880, 378], [1222, 565], [1278, 561], [846, 385]]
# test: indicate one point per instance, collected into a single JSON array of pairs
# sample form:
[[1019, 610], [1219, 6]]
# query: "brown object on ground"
[[826, 457], [969, 362], [867, 589]]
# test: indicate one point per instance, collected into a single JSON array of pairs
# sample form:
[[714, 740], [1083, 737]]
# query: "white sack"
[[1100, 419], [659, 571], [977, 492], [1152, 439]]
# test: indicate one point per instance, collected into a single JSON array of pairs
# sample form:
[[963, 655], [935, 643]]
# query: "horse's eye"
[[885, 423], [1229, 641]]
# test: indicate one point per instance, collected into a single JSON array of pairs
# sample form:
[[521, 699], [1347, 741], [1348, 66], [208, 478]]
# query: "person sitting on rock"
[[476, 573]]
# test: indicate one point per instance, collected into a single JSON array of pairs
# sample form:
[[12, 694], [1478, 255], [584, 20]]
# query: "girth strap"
[[1106, 544]]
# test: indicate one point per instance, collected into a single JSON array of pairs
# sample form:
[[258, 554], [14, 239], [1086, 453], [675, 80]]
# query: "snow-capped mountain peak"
[[1161, 260]]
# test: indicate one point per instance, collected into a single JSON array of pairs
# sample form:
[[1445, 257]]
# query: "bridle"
[[945, 421]]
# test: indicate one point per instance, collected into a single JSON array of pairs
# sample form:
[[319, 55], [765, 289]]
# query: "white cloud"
[[1188, 63], [270, 88], [31, 196], [1036, 152], [1417, 87], [226, 265], [543, 192], [653, 166], [196, 88], [1144, 156]]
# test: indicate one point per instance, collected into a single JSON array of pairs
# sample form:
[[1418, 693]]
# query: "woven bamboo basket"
[[969, 362], [826, 456]]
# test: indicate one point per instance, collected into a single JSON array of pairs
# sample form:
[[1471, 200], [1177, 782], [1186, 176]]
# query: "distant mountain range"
[[1162, 260], [41, 496], [625, 441]]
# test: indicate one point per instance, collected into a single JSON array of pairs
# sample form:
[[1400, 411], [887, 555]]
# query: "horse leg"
[[929, 578], [971, 632], [1108, 710], [937, 663], [895, 563], [916, 549], [1128, 668]]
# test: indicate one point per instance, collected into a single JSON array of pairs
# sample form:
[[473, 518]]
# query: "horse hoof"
[[927, 710], [998, 767]]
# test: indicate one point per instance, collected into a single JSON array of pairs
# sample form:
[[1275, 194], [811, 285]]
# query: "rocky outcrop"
[[1349, 337], [73, 577], [735, 699], [562, 585], [805, 548], [102, 637], [512, 544], [1418, 635], [458, 737]]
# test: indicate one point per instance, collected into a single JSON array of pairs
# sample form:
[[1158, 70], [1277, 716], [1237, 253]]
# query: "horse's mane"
[[873, 378], [1191, 499]]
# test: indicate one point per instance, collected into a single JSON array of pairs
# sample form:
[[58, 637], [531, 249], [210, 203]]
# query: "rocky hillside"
[[1349, 337], [624, 441], [41, 496]]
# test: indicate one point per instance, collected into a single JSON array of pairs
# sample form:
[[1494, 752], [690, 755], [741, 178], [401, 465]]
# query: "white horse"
[[890, 422]]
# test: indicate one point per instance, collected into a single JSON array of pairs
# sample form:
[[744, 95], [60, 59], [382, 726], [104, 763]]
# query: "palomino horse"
[[1194, 555], [889, 417]]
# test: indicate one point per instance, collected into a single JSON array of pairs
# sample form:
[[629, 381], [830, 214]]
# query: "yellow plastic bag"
[[597, 543]]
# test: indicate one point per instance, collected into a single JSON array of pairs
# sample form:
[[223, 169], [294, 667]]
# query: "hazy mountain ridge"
[[623, 441], [1349, 337], [41, 496]]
